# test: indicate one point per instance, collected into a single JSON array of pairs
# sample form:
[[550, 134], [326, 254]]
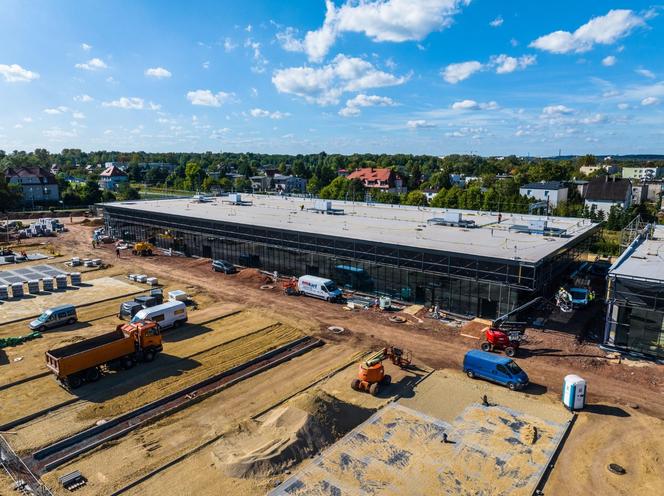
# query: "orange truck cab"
[[122, 348]]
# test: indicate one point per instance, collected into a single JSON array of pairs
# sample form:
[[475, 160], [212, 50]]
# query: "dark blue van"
[[496, 368]]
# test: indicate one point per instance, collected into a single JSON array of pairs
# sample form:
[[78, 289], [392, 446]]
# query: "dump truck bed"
[[89, 353]]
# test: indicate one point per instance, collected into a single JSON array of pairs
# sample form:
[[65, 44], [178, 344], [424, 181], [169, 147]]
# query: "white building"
[[553, 192], [603, 193], [642, 172]]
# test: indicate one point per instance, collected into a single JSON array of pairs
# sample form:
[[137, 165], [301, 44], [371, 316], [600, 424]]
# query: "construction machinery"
[[506, 336], [143, 249], [83, 361], [371, 375]]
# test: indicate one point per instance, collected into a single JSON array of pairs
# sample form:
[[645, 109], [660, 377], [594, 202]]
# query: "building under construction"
[[467, 262], [635, 296]]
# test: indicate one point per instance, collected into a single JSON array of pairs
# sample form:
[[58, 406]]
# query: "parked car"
[[54, 317], [495, 368], [223, 266]]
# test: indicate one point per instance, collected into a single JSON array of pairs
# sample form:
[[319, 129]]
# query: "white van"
[[319, 287], [170, 314]]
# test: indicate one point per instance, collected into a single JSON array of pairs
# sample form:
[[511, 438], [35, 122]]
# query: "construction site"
[[251, 385]]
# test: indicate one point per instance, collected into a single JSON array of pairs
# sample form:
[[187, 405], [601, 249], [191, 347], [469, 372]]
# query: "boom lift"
[[371, 373]]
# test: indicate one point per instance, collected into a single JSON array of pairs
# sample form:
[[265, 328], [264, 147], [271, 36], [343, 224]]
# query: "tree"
[[90, 193], [126, 192], [416, 198], [194, 175]]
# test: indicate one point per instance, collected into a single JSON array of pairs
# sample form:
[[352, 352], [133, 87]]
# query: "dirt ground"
[[547, 357]]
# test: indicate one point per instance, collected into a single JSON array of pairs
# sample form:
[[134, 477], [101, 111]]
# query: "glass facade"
[[458, 283]]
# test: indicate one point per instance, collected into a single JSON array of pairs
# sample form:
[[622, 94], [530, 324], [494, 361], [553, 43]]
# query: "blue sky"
[[411, 76]]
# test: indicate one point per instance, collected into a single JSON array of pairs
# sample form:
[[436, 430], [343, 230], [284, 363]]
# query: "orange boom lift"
[[371, 373]]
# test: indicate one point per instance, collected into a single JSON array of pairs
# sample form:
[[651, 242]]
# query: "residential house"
[[430, 193], [36, 184], [553, 192], [382, 179], [604, 192], [642, 172], [461, 180], [289, 184], [261, 183], [581, 187], [112, 177], [608, 168]]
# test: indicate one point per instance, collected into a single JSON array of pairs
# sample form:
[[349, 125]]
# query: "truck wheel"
[[374, 389], [92, 375], [387, 380], [510, 351], [512, 386], [128, 363], [355, 384], [149, 356], [74, 381], [486, 346], [471, 374]]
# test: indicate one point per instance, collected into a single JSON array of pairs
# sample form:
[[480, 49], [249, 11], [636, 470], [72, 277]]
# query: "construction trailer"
[[635, 296], [482, 264]]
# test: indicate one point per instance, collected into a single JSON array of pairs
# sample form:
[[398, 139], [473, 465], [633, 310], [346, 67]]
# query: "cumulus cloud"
[[420, 124], [593, 119], [473, 105], [158, 72], [497, 22], [455, 73], [94, 64], [259, 112], [380, 20], [208, 99], [609, 61], [505, 64], [14, 73], [646, 73], [354, 105], [83, 98], [650, 100], [229, 46], [325, 85], [56, 110], [555, 110], [623, 106], [58, 134], [603, 30], [86, 47], [131, 103]]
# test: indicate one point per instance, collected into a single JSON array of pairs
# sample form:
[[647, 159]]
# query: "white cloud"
[[27, 119], [604, 30], [229, 46], [259, 60], [557, 110], [14, 73], [506, 64], [325, 85], [473, 105], [384, 20], [83, 98], [78, 115], [254, 92], [258, 112], [497, 22], [609, 60], [57, 134], [158, 72], [354, 105], [86, 47], [131, 103], [206, 64], [94, 64], [419, 124], [455, 73], [649, 100], [593, 119], [57, 110], [645, 73], [623, 106], [208, 99]]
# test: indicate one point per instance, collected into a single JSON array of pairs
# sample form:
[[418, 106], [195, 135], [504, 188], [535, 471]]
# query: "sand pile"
[[253, 276], [529, 434], [287, 435]]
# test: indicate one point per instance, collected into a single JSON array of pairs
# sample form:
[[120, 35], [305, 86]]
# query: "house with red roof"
[[112, 177], [379, 178]]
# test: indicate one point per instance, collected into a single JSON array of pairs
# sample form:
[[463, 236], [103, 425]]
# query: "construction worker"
[[117, 252], [94, 243]]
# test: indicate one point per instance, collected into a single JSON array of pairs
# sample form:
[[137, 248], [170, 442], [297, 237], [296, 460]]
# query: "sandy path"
[[146, 449]]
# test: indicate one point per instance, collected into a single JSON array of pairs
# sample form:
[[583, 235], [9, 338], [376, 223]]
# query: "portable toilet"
[[4, 292], [75, 278], [61, 281], [47, 283], [17, 289], [33, 286], [574, 392]]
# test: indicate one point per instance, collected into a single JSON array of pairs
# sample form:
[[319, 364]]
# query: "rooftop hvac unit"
[[323, 205], [235, 197], [452, 217], [537, 225]]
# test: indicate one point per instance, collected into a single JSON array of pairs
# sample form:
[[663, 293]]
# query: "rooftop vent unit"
[[325, 207], [452, 219], [539, 226], [236, 199]]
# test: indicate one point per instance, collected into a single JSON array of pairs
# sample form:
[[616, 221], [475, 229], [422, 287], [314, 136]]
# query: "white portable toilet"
[[574, 392]]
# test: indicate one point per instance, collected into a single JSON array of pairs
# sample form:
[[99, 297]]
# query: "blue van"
[[496, 368]]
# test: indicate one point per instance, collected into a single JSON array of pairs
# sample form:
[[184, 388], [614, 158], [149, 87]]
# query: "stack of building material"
[[152, 281], [177, 295], [141, 278], [4, 292], [75, 278], [61, 281], [75, 262], [96, 262], [33, 286], [17, 289], [132, 277], [47, 283]]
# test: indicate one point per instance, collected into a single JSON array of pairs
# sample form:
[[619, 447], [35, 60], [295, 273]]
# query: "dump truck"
[[122, 348]]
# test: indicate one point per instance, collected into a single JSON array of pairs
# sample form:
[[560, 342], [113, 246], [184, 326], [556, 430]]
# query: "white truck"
[[319, 287], [169, 314]]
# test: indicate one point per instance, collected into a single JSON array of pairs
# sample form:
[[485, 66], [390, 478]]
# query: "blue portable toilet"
[[574, 392]]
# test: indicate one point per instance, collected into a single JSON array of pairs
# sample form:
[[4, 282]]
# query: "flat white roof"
[[647, 260], [391, 224]]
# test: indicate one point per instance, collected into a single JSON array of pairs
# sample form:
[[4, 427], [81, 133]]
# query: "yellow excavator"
[[143, 249]]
